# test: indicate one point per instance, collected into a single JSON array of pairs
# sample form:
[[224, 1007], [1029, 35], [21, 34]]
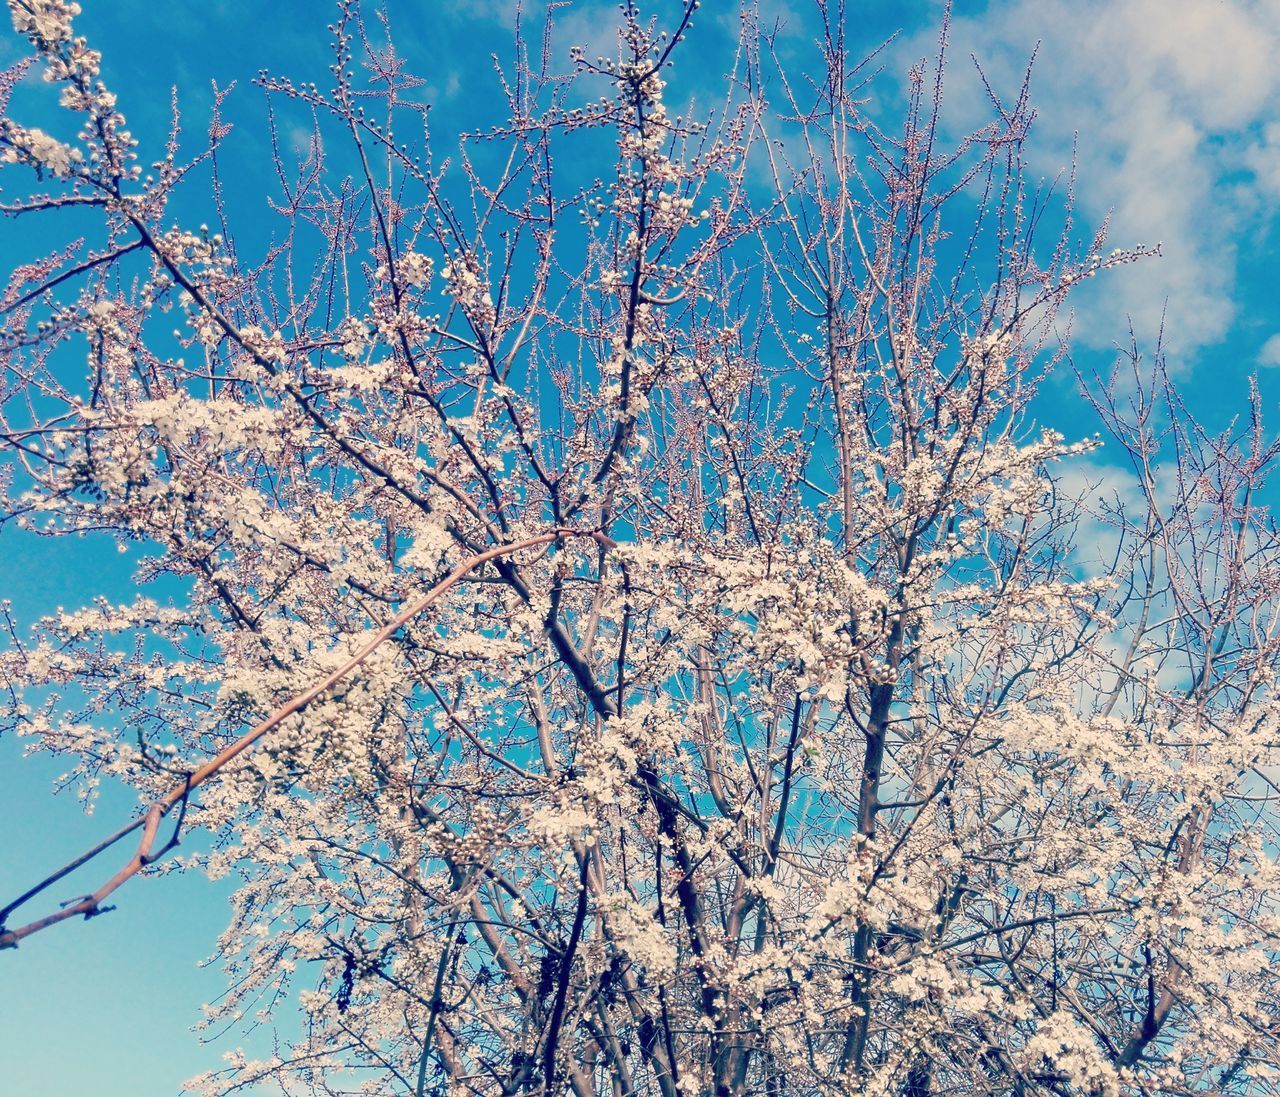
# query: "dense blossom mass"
[[680, 662]]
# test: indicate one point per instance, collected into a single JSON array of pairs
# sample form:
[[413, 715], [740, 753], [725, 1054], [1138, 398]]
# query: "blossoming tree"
[[613, 607]]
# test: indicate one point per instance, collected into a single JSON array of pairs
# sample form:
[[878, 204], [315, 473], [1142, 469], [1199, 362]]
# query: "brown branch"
[[91, 904]]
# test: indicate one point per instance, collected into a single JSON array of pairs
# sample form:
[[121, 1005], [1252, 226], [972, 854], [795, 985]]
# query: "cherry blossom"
[[637, 634]]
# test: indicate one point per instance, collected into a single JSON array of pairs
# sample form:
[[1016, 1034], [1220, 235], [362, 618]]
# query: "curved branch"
[[146, 853]]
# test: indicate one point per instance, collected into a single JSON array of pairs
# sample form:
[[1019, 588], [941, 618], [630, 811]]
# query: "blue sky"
[[1171, 109]]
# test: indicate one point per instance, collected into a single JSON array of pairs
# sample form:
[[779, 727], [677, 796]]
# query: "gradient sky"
[[1171, 109]]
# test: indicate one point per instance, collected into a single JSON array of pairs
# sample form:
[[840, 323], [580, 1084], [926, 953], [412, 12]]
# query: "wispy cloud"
[[1269, 354], [1168, 105]]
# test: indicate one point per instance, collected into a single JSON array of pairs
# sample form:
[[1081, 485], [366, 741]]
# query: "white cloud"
[[1263, 159], [595, 31], [1269, 354], [1098, 491], [1169, 104], [500, 11]]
